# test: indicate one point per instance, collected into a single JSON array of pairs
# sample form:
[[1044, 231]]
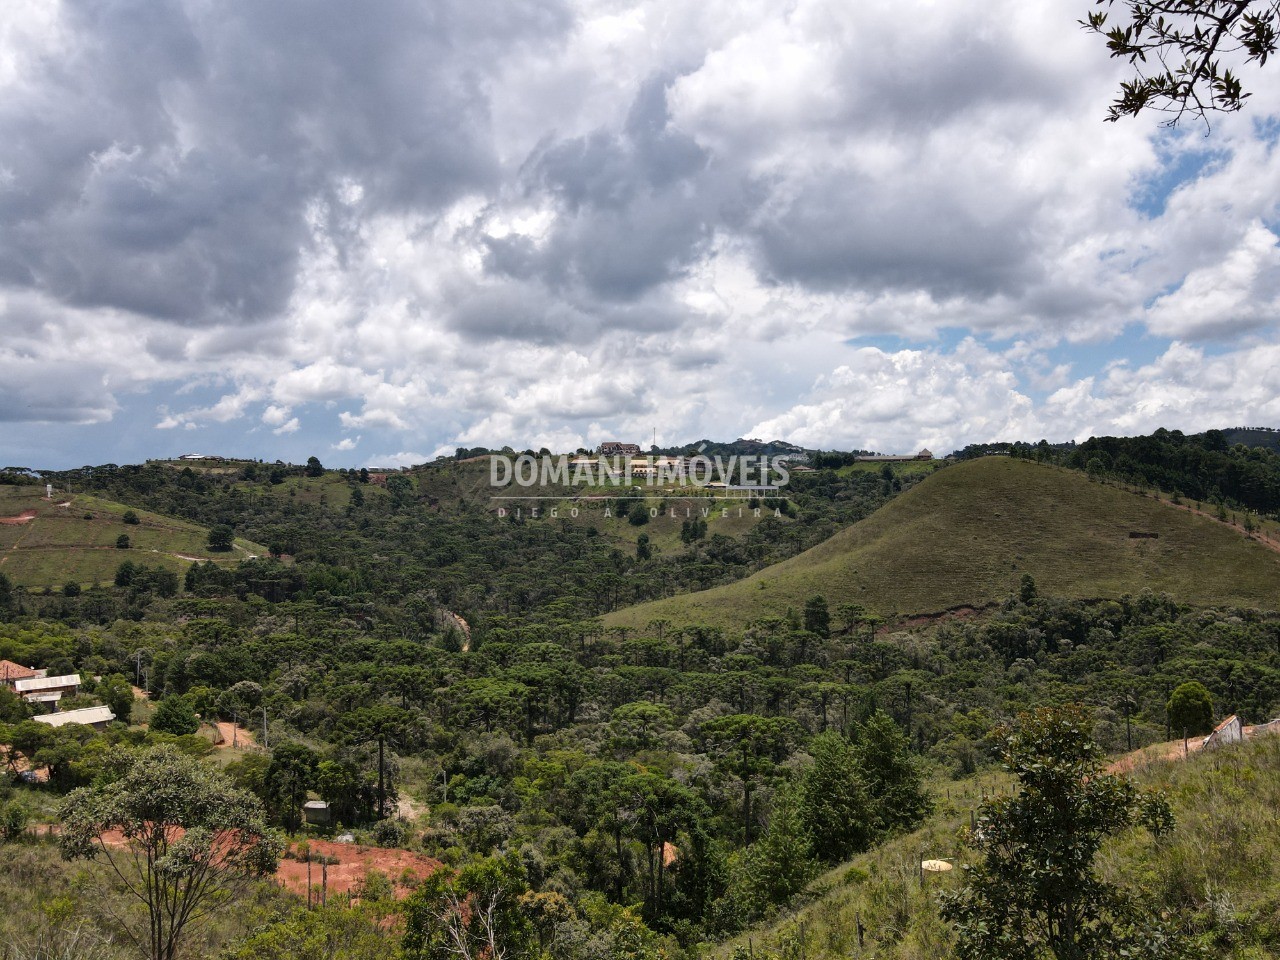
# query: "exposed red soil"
[[345, 876], [354, 863], [228, 732], [927, 619], [26, 516], [1173, 750]]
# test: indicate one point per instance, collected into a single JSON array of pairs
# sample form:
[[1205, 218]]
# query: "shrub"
[[388, 833], [13, 821]]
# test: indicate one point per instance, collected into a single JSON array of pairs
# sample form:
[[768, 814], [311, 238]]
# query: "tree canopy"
[[176, 833], [1183, 51]]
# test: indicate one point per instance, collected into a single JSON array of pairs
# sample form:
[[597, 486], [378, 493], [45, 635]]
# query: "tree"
[[1034, 892], [221, 538], [471, 915], [750, 744], [314, 467], [832, 800], [1177, 46], [116, 693], [400, 489], [1191, 709], [778, 865], [289, 776], [643, 550], [130, 518], [122, 542], [894, 783], [817, 619], [174, 715], [125, 574], [177, 834]]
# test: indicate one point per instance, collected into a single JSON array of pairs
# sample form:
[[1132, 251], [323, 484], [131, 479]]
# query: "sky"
[[376, 232]]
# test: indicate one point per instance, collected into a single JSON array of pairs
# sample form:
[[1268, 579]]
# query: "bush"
[[388, 833], [131, 518], [175, 716], [13, 821], [122, 542], [638, 515]]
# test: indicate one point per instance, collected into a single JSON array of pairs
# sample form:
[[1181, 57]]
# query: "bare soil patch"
[[1172, 750], [354, 864], [229, 733], [26, 516]]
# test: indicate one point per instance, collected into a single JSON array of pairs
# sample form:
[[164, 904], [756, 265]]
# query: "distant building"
[[924, 454], [316, 813], [47, 689], [11, 673], [96, 717], [612, 448]]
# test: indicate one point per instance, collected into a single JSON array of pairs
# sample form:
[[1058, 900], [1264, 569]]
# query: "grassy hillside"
[[967, 534], [72, 538], [1216, 871]]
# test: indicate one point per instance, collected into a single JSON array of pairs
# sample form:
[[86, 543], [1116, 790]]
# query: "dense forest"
[[647, 789]]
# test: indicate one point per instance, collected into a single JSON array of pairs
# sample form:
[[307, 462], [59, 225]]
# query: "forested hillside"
[[455, 685]]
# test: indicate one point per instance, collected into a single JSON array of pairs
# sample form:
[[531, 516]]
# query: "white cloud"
[[669, 215], [401, 459], [1238, 294]]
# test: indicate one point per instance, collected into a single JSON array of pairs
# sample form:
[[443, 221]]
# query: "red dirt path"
[[26, 516]]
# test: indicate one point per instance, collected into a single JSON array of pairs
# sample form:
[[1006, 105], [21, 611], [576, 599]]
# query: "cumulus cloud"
[[540, 223]]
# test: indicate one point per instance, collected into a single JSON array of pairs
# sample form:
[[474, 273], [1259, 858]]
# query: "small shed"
[[316, 813], [1229, 730]]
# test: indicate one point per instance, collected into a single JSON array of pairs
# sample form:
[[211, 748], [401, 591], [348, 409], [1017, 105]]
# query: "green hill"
[[72, 539], [967, 534]]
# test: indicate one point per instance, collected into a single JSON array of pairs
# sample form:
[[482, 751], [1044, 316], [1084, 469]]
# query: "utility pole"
[[382, 777], [1128, 732], [266, 744], [235, 738]]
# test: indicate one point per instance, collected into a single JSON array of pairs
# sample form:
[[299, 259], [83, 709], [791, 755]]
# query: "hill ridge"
[[967, 534]]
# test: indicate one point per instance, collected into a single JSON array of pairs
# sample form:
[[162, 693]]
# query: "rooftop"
[[86, 715], [10, 671], [36, 684]]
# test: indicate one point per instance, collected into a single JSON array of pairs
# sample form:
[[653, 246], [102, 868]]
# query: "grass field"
[[72, 538], [967, 534]]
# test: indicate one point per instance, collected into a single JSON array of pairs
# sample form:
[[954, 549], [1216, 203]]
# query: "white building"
[[96, 717]]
